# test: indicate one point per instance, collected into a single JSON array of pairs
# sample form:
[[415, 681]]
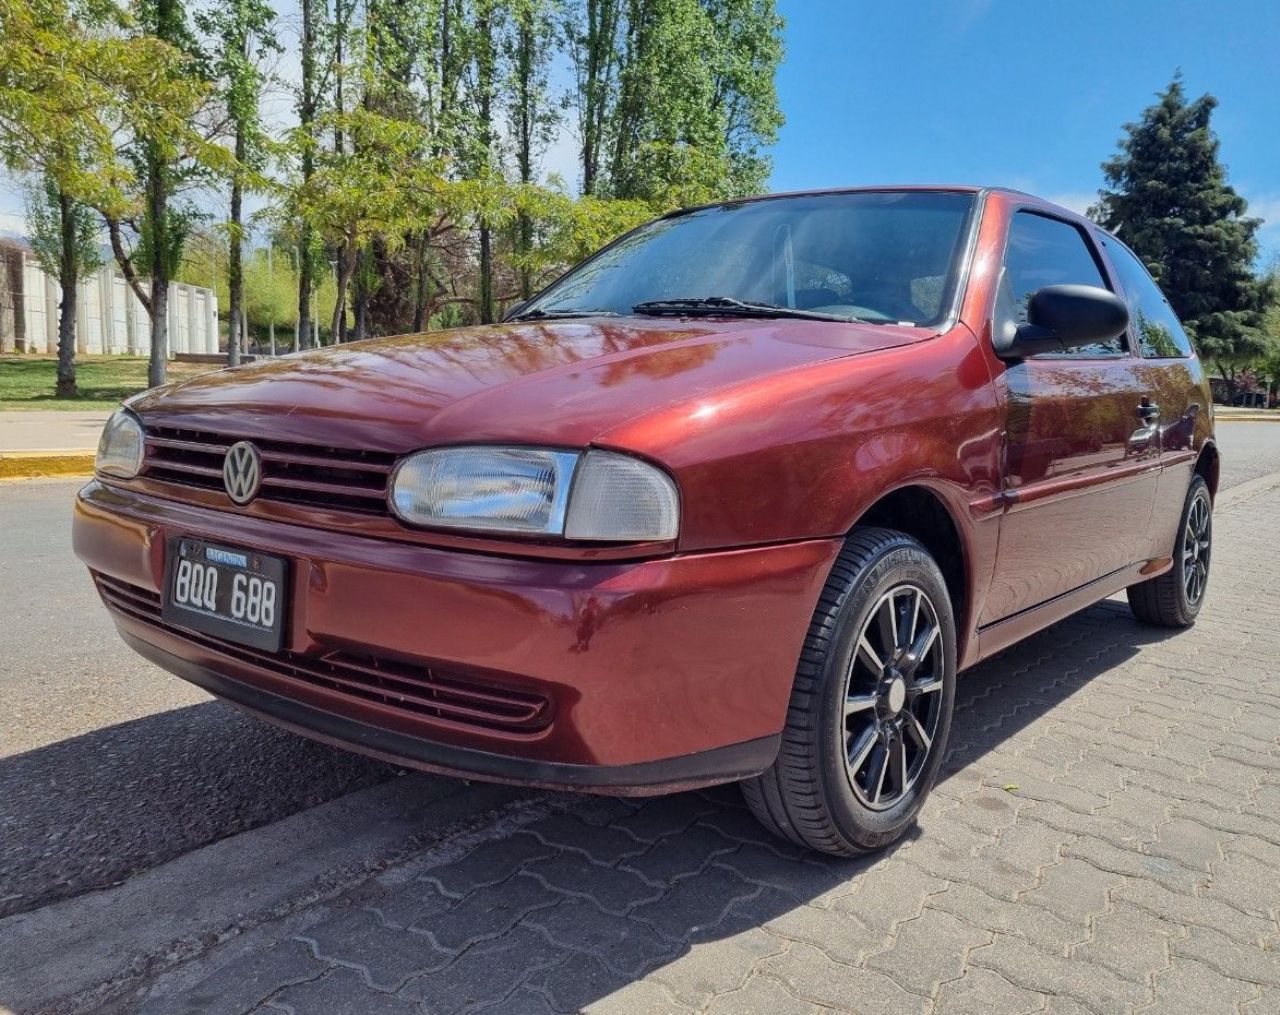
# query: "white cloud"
[[1075, 200], [1265, 207]]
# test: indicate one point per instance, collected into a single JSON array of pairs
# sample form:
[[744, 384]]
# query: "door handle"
[[1148, 413]]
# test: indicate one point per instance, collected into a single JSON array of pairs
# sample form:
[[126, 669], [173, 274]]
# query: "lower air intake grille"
[[415, 690]]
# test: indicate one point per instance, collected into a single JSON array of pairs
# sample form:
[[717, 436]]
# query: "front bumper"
[[619, 677]]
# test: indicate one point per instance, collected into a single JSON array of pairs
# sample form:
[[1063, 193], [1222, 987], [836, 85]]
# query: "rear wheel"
[[870, 711], [1174, 598]]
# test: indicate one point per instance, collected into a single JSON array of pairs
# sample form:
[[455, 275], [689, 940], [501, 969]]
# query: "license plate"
[[230, 593]]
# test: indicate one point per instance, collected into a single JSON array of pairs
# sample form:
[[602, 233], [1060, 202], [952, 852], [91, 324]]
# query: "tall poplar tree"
[[531, 112], [592, 30], [1168, 198], [308, 107], [235, 27]]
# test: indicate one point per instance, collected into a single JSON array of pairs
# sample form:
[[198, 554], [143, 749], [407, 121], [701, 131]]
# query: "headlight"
[[121, 447], [599, 495]]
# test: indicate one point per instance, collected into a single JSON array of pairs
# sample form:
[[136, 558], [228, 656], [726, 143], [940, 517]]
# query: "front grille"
[[308, 474], [415, 690]]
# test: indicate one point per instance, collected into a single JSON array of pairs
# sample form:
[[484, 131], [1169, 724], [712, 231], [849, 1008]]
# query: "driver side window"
[[1047, 251]]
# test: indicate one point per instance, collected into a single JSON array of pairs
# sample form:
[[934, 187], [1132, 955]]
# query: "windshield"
[[871, 256]]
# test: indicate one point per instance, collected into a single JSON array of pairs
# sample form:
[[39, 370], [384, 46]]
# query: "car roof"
[[1007, 193]]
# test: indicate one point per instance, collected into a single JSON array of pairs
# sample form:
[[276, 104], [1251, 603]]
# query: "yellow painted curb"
[[1257, 417], [36, 464]]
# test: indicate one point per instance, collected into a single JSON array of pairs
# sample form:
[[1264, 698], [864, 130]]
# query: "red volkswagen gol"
[[734, 499]]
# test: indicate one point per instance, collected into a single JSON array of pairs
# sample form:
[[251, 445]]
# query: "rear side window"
[[1045, 251], [1159, 333]]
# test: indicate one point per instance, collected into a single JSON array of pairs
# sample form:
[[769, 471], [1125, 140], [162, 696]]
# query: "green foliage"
[[1167, 197], [74, 79], [675, 98], [241, 36], [44, 219]]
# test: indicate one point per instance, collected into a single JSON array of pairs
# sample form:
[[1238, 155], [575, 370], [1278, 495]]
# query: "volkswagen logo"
[[242, 472]]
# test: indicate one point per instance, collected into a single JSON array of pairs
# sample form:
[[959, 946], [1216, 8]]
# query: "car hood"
[[559, 383]]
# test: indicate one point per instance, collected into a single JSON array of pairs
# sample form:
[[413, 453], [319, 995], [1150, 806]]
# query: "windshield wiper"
[[538, 314], [727, 305]]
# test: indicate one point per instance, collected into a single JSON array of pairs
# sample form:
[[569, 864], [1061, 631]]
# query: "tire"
[[1174, 598], [814, 794]]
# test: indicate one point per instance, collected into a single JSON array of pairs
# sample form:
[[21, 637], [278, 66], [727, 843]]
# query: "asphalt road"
[[109, 766]]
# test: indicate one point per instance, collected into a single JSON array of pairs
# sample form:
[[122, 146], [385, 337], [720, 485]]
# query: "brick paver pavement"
[[1106, 838]]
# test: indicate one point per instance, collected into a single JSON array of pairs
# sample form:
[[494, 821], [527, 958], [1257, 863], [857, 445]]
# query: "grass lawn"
[[27, 382]]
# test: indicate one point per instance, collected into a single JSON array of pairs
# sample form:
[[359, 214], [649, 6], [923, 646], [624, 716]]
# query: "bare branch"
[[126, 264]]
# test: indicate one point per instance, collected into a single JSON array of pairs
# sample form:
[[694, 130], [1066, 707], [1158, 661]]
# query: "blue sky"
[[1019, 93]]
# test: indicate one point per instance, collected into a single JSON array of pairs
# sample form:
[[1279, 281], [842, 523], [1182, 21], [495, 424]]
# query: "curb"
[[39, 464], [1253, 417]]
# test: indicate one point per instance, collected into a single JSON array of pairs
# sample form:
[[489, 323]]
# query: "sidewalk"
[[50, 429], [1105, 839], [48, 442], [1236, 414]]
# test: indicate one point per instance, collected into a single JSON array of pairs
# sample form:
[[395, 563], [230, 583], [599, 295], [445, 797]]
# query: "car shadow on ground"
[[584, 904], [567, 910], [89, 811]]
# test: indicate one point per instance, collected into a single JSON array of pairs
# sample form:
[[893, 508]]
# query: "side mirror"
[[1061, 318]]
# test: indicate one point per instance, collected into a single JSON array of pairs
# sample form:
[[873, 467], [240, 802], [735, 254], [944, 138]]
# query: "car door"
[[1081, 462], [1173, 387]]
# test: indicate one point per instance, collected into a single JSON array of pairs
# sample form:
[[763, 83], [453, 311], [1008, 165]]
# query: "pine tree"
[[1167, 197]]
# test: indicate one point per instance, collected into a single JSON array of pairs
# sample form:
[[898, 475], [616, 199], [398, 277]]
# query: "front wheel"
[[1174, 598], [870, 710]]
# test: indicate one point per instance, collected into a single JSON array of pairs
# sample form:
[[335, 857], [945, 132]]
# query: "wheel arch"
[[1208, 467], [922, 513]]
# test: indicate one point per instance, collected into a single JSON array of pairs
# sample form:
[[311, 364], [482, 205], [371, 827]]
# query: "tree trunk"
[[423, 283], [69, 280], [169, 26], [488, 311], [306, 116], [525, 62], [485, 84], [361, 270], [158, 209], [342, 272], [235, 271]]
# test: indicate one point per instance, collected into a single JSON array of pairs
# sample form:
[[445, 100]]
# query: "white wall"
[[111, 319]]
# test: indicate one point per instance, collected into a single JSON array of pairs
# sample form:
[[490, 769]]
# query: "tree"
[[168, 155], [1269, 362], [83, 96], [380, 187], [234, 27], [163, 231], [745, 95], [531, 114], [592, 31], [675, 98], [64, 239], [308, 107], [483, 157], [1167, 197]]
